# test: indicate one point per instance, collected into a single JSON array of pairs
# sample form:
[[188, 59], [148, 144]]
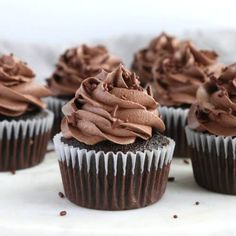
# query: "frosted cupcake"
[[175, 69], [211, 133], [25, 124], [111, 153], [73, 67]]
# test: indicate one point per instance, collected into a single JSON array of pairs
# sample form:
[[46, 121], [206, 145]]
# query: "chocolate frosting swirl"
[[148, 59], [176, 69], [111, 106], [78, 63], [215, 110], [19, 94]]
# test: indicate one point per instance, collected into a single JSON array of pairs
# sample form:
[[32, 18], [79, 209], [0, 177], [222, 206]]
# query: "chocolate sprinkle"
[[61, 195], [197, 203], [63, 213], [175, 216], [186, 161], [171, 179]]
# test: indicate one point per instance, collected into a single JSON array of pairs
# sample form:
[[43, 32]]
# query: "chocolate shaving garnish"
[[114, 111], [123, 97]]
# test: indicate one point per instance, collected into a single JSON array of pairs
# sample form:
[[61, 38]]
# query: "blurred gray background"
[[39, 30]]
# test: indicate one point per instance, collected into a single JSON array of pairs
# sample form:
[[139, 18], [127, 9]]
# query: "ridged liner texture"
[[213, 160], [23, 143], [55, 105], [110, 181], [175, 120]]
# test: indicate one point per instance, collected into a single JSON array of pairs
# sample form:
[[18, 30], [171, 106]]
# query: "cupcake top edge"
[[111, 106], [175, 69], [78, 63], [19, 93], [215, 109]]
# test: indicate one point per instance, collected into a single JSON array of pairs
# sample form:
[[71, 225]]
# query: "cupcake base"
[[113, 181], [23, 141], [110, 192], [214, 161], [175, 120]]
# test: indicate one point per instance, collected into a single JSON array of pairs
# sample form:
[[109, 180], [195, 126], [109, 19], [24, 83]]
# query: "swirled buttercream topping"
[[112, 107], [78, 63], [175, 71], [215, 110], [18, 91]]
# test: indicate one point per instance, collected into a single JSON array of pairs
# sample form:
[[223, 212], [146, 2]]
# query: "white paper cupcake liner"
[[23, 142], [113, 181], [175, 120], [55, 105], [214, 160]]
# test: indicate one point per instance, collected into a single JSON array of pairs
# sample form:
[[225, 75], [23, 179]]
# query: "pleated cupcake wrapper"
[[55, 105], [23, 142], [214, 161], [113, 181], [175, 120]]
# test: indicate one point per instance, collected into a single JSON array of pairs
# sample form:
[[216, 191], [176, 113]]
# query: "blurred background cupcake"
[[111, 153], [175, 69], [73, 67], [211, 133], [25, 124]]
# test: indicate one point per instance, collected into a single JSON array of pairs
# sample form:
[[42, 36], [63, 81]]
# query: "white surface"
[[30, 205], [78, 20]]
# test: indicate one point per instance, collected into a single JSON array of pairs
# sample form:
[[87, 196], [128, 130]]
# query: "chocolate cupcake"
[[25, 124], [111, 154], [211, 133], [73, 67], [175, 69]]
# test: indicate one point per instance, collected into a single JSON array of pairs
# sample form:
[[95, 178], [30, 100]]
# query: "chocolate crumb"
[[63, 213], [13, 172], [186, 161], [171, 179], [197, 203], [61, 195], [175, 216]]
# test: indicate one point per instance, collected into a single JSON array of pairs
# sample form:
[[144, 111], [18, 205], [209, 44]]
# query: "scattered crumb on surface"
[[197, 203], [186, 161], [171, 179], [63, 213], [175, 216], [61, 195]]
